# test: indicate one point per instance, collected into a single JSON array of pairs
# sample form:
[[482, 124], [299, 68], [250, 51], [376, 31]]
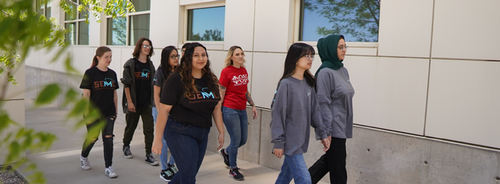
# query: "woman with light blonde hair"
[[234, 95]]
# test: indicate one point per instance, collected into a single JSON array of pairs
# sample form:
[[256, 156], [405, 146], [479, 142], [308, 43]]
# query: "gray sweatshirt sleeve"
[[278, 113], [317, 121], [325, 87]]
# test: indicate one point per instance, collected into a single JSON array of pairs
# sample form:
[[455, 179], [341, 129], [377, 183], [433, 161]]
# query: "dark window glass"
[[117, 31], [139, 27], [71, 33], [83, 14], [83, 33], [357, 20], [141, 5], [206, 24], [72, 15]]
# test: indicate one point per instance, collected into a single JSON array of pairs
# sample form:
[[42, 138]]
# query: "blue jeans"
[[294, 167], [188, 145], [164, 149], [236, 122]]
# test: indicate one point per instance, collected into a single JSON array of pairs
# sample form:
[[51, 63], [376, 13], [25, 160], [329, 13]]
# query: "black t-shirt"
[[195, 110], [142, 76], [159, 79], [102, 86]]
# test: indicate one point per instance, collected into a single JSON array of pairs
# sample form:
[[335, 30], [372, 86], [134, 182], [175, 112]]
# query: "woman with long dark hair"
[[335, 94], [99, 85], [189, 99], [168, 62], [293, 110], [234, 96]]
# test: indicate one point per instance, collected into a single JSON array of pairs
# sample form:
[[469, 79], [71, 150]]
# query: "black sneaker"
[[151, 160], [224, 156], [126, 152], [166, 175], [235, 174], [172, 168]]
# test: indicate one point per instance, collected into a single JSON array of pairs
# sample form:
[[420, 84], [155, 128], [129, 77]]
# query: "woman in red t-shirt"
[[234, 95]]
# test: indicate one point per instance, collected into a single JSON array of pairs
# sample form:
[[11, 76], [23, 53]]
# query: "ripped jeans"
[[107, 138]]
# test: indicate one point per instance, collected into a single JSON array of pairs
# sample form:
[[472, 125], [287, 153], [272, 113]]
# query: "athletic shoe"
[[166, 175], [110, 172], [126, 152], [224, 155], [151, 160], [235, 174], [173, 168], [84, 162]]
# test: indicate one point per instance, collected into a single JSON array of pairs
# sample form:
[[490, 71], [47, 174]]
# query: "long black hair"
[[295, 52], [185, 70], [165, 61]]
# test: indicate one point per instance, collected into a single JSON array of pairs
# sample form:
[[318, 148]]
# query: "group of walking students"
[[181, 98]]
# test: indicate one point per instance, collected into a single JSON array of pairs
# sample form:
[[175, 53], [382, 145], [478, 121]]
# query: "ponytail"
[[95, 61], [99, 52]]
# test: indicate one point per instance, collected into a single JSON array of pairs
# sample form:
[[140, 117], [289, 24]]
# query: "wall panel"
[[464, 101]]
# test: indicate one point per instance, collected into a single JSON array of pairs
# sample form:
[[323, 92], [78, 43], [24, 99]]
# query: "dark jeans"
[[132, 120], [188, 145], [333, 161], [107, 129], [236, 122]]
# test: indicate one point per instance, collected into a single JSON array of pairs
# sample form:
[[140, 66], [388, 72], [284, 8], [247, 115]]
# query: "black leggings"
[[333, 161], [107, 139]]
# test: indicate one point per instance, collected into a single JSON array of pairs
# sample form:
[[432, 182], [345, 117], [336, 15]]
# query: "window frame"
[[298, 26], [216, 45], [127, 31], [76, 21], [44, 9]]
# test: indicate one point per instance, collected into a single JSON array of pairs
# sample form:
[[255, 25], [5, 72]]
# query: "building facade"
[[426, 73]]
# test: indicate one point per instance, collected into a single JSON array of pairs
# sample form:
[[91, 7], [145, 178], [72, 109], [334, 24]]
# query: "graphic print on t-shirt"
[[107, 83], [240, 80], [203, 95], [144, 75]]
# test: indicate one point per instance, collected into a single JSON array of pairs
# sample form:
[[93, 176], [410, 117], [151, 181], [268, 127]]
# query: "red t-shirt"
[[235, 80]]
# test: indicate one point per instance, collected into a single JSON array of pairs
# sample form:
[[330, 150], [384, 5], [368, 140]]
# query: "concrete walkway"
[[61, 163]]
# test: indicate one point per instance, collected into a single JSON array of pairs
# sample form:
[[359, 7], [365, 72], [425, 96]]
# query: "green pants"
[[132, 120]]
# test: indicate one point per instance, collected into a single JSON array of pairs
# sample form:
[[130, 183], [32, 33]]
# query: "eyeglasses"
[[146, 46], [310, 57], [342, 47], [174, 57]]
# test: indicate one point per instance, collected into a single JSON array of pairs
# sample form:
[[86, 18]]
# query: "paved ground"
[[61, 163]]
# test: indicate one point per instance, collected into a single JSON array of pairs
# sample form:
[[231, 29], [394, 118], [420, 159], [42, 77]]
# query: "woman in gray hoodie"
[[293, 110]]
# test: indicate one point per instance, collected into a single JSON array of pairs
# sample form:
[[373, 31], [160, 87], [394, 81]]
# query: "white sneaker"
[[84, 162], [110, 172]]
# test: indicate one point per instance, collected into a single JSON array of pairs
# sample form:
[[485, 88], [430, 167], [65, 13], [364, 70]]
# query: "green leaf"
[[80, 108], [48, 94]]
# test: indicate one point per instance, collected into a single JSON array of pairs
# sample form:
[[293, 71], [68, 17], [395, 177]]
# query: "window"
[[206, 24], [138, 25], [43, 9], [357, 20], [74, 22]]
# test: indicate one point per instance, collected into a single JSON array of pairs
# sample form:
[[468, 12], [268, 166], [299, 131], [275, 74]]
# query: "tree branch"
[[371, 11]]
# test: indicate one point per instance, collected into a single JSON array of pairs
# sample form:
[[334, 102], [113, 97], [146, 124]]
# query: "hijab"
[[327, 49]]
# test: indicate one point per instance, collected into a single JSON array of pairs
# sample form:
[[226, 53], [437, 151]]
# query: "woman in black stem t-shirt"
[[189, 98], [99, 84]]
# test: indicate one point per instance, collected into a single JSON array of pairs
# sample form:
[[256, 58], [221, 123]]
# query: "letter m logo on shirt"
[[207, 95], [108, 84]]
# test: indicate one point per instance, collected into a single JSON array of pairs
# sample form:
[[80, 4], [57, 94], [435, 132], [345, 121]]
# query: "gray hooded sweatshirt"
[[293, 110]]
